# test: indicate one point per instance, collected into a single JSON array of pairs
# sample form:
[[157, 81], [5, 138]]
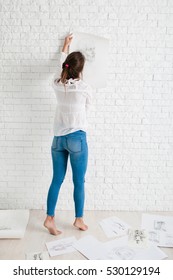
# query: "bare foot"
[[49, 223], [79, 223]]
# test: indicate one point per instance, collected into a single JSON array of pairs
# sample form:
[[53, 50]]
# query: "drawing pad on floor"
[[13, 223]]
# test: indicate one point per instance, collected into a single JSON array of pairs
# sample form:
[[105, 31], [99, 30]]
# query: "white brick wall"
[[130, 129]]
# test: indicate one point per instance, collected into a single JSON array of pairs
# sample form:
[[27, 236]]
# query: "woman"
[[69, 141]]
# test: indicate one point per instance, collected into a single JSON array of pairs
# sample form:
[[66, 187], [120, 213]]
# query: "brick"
[[130, 124]]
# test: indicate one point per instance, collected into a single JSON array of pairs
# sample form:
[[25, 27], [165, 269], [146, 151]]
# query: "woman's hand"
[[67, 43]]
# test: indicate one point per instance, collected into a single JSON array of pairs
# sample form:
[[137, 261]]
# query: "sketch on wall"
[[160, 229], [95, 50]]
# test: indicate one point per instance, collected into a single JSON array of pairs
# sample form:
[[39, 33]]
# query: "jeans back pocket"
[[74, 144], [57, 144]]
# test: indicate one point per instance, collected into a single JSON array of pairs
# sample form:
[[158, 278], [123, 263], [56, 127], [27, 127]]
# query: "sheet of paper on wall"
[[95, 50], [160, 229], [114, 227], [89, 247], [118, 249], [13, 223], [61, 246]]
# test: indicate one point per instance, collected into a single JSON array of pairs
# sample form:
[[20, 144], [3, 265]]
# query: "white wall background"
[[131, 127]]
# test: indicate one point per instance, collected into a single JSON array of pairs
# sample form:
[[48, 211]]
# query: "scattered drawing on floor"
[[159, 225], [95, 49], [13, 223], [160, 229], [153, 236], [5, 228], [169, 240], [137, 238], [123, 253], [114, 227], [61, 246], [117, 227], [118, 249], [37, 256]]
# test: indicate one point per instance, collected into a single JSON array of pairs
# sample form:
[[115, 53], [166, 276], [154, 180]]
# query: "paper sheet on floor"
[[160, 229], [13, 223], [116, 249], [114, 227], [89, 246], [61, 246]]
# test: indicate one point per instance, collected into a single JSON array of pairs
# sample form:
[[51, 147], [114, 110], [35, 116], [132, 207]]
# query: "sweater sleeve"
[[57, 75]]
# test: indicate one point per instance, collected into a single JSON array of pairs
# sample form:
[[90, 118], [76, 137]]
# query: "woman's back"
[[73, 100]]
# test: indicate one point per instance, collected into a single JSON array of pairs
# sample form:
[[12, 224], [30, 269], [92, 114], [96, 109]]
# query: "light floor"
[[36, 235]]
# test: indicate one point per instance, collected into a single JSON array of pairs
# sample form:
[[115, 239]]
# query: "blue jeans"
[[73, 145]]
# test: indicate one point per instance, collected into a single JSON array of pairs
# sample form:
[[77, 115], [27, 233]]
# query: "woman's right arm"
[[67, 43], [62, 58]]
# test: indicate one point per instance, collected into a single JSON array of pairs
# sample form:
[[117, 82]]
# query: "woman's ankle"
[[50, 217]]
